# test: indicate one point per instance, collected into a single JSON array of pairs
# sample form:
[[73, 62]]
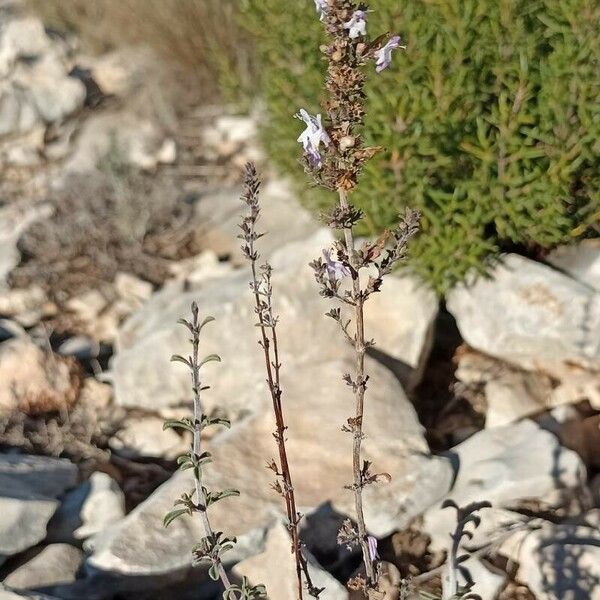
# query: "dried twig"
[[267, 322]]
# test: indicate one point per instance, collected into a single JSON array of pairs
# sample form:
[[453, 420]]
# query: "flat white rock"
[[531, 315]]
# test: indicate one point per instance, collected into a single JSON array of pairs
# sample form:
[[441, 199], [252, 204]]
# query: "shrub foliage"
[[495, 113]]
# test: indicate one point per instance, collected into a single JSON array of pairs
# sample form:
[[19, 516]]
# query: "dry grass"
[[116, 220], [203, 36]]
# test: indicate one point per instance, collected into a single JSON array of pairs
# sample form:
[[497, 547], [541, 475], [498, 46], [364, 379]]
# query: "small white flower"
[[312, 137], [357, 25], [335, 269], [384, 55], [321, 6]]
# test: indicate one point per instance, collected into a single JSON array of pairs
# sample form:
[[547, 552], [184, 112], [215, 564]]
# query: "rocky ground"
[[116, 212]]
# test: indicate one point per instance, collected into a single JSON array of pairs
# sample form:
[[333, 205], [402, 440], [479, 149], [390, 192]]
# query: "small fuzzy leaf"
[[179, 424], [174, 514], [206, 322], [210, 358], [179, 358]]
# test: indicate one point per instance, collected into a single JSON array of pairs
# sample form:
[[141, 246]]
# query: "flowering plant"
[[335, 155]]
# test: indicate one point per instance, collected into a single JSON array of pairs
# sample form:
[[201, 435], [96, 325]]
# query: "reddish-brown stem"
[[261, 287], [273, 368]]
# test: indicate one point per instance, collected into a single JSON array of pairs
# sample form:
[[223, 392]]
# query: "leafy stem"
[[214, 544]]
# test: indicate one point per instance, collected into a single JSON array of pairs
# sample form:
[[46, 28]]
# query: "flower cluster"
[[337, 272], [349, 50]]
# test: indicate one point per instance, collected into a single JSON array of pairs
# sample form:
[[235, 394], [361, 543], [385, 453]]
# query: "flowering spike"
[[383, 56]]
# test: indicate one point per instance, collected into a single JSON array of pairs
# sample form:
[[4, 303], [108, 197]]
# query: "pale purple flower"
[[335, 269], [357, 25], [384, 55], [372, 543], [321, 6], [312, 137]]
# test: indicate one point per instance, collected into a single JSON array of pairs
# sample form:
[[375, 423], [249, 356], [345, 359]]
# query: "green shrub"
[[490, 120]]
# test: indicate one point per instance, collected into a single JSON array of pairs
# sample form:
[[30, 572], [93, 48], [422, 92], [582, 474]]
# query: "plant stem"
[[263, 307], [200, 495], [360, 350], [273, 370]]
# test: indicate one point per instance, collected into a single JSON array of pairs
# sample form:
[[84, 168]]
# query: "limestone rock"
[[50, 92], [316, 403], [132, 288], [511, 399], [88, 509], [139, 142], [26, 306], [488, 582], [14, 220], [35, 87], [530, 315], [21, 37], [512, 393], [281, 583], [55, 564], [580, 261], [143, 436], [144, 377], [35, 381], [29, 486], [503, 466], [121, 71], [556, 561]]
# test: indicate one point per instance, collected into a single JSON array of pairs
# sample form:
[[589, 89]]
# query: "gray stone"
[[29, 486], [281, 582], [400, 319], [316, 404], [556, 562], [144, 437], [56, 564], [503, 466], [8, 594], [52, 94], [581, 261], [137, 141], [24, 37], [530, 315], [90, 508], [26, 306], [488, 583], [35, 88], [14, 220]]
